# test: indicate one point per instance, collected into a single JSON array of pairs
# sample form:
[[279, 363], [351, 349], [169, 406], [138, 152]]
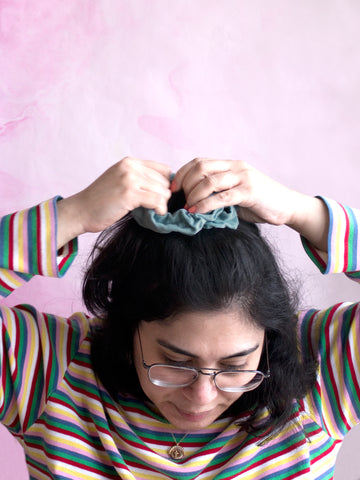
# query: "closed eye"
[[177, 363], [234, 367]]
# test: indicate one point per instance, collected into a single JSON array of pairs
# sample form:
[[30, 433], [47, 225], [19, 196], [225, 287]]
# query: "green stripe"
[[33, 241], [4, 292], [312, 256], [350, 246], [67, 454], [4, 241]]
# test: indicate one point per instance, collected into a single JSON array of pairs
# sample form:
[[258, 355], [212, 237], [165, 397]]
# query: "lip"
[[193, 416]]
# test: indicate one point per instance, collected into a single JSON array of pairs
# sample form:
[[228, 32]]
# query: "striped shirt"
[[69, 426]]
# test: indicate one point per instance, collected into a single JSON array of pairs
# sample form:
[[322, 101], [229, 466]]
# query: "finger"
[[161, 168], [212, 184], [153, 176], [199, 169], [137, 176], [161, 171], [177, 183], [225, 198], [152, 199]]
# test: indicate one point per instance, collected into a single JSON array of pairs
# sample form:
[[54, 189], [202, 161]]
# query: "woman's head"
[[169, 353], [143, 280]]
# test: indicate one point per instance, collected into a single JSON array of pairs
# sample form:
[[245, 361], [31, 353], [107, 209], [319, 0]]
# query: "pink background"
[[84, 83]]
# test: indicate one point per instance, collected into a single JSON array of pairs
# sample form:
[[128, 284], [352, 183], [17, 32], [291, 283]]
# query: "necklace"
[[177, 452]]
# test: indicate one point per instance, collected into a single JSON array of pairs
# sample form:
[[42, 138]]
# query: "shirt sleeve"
[[35, 348], [28, 246], [35, 351], [343, 242], [332, 336]]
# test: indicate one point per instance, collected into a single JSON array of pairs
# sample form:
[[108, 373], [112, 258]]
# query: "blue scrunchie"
[[184, 222]]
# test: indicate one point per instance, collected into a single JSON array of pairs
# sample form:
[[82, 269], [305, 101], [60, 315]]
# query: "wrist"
[[69, 221], [311, 220]]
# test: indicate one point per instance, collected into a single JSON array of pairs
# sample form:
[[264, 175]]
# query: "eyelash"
[[185, 363], [177, 363], [235, 367]]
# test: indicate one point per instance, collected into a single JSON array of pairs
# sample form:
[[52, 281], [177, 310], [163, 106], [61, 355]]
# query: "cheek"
[[158, 396], [141, 371], [153, 392]]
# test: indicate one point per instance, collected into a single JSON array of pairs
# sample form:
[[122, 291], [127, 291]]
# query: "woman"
[[194, 364]]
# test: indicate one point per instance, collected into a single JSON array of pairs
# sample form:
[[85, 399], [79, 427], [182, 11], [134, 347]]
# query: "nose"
[[203, 391]]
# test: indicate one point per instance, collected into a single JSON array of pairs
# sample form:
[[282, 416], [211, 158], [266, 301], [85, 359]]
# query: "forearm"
[[311, 220]]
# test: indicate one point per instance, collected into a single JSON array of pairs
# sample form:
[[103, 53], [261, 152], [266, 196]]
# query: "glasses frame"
[[211, 372]]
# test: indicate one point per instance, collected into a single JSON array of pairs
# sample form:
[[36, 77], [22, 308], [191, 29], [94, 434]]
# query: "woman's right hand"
[[128, 184]]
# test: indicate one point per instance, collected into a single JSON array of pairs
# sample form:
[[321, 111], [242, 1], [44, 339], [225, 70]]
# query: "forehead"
[[216, 329]]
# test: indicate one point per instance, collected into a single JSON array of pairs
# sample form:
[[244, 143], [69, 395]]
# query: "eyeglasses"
[[172, 376]]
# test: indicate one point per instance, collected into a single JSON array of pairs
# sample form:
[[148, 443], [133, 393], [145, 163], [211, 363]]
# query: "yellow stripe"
[[28, 371], [11, 278], [81, 474], [77, 445], [61, 348], [340, 223], [355, 352], [79, 399], [20, 240]]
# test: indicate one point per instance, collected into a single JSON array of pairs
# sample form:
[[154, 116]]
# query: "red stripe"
[[267, 459], [328, 363], [80, 465], [310, 333], [68, 343], [346, 239], [33, 383], [325, 453], [38, 238], [69, 433], [6, 286], [85, 418], [11, 243], [3, 364], [317, 257], [21, 326], [49, 365], [80, 390], [67, 257], [353, 373], [349, 357], [18, 334]]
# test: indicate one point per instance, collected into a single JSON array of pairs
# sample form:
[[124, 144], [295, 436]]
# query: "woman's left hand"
[[209, 184]]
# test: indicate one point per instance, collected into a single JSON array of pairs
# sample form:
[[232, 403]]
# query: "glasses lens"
[[238, 381], [169, 376]]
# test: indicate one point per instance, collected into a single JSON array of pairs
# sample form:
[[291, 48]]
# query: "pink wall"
[[84, 83]]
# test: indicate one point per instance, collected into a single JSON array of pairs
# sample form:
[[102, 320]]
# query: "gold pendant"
[[176, 452]]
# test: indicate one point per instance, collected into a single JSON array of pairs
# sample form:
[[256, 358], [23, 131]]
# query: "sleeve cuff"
[[342, 255]]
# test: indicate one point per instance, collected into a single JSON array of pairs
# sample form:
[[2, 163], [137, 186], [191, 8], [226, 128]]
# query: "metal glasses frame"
[[212, 372]]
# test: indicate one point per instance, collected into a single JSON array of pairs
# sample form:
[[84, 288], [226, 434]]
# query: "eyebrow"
[[176, 349]]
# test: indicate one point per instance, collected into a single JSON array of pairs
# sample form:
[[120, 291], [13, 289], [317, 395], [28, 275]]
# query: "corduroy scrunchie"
[[182, 221]]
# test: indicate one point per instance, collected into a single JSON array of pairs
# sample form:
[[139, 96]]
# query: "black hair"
[[138, 275]]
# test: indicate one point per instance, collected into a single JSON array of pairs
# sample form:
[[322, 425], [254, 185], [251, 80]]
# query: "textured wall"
[[84, 83]]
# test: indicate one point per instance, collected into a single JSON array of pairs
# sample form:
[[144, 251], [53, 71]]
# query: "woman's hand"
[[209, 184], [128, 184]]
